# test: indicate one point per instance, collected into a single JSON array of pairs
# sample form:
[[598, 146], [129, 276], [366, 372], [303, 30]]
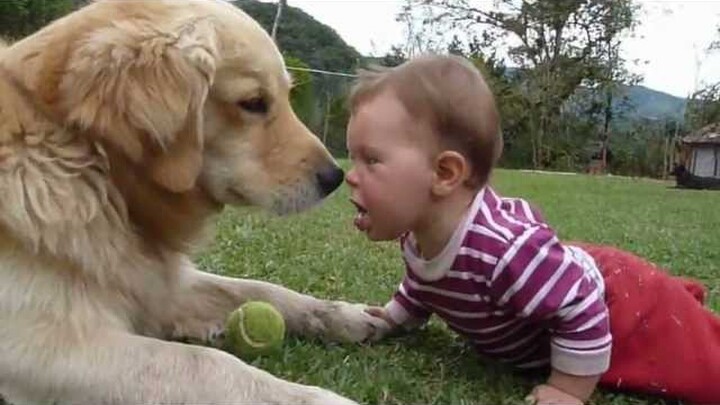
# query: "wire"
[[321, 71]]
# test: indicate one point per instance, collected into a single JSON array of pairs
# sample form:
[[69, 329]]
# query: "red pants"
[[664, 341]]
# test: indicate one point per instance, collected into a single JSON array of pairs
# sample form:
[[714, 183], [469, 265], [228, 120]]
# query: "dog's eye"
[[256, 105]]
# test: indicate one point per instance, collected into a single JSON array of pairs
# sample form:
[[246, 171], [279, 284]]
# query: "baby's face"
[[392, 168]]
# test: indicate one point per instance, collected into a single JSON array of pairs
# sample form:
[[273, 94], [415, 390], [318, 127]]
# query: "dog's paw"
[[340, 321]]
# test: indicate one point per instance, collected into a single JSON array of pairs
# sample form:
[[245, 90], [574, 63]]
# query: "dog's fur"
[[124, 127]]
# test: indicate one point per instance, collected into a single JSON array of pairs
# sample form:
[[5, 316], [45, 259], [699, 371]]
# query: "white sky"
[[672, 36]]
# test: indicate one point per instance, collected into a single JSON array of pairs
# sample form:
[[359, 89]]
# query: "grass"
[[320, 253]]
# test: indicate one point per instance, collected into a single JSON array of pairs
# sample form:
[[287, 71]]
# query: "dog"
[[685, 179], [125, 127]]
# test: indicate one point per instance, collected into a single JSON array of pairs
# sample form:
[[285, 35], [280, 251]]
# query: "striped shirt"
[[505, 282]]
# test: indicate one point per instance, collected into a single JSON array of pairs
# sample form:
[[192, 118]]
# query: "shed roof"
[[709, 134]]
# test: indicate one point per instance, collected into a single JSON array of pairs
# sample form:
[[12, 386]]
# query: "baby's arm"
[[540, 280], [402, 312], [580, 387], [562, 388]]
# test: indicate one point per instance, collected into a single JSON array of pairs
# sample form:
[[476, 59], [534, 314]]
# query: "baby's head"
[[448, 96], [422, 137]]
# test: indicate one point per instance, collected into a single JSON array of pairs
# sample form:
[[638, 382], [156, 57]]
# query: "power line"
[[321, 71]]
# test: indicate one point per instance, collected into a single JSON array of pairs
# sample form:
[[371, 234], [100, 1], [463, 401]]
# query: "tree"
[[302, 97], [278, 16], [511, 102], [19, 18], [611, 76], [424, 31], [555, 44], [396, 56], [703, 106]]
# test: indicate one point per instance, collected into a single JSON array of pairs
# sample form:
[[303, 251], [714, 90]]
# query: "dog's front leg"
[[207, 299], [115, 367]]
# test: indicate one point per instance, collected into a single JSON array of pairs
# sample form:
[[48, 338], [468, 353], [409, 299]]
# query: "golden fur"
[[124, 127]]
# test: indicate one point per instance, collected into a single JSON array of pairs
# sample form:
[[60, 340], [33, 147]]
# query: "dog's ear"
[[142, 91]]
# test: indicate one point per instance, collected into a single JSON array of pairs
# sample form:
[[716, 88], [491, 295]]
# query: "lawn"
[[320, 253]]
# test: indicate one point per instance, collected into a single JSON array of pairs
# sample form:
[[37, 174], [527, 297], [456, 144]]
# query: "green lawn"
[[320, 253]]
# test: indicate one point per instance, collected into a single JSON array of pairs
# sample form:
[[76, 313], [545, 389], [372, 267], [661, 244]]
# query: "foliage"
[[19, 18], [301, 36], [395, 57], [320, 253], [557, 45], [703, 107], [424, 33], [302, 97], [641, 150], [563, 89], [610, 74], [337, 119]]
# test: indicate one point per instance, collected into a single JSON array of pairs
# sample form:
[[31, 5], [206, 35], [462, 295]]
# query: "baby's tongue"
[[362, 222]]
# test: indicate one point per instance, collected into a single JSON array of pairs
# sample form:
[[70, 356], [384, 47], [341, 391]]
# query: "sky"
[[670, 41]]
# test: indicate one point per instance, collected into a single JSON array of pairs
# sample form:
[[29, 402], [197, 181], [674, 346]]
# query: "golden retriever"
[[124, 127]]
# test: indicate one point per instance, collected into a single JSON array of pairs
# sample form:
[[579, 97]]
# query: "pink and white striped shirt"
[[505, 282]]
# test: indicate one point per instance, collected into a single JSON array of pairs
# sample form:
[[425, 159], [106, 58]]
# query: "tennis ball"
[[254, 329]]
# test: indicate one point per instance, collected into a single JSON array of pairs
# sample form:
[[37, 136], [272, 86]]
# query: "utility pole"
[[278, 14]]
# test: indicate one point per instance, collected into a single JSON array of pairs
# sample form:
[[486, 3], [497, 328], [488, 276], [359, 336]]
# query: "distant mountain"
[[633, 105], [652, 104]]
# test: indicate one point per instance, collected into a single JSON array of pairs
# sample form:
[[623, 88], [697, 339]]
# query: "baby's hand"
[[548, 395], [382, 314]]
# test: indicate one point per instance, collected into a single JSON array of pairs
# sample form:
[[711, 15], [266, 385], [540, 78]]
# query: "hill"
[[652, 104], [301, 36]]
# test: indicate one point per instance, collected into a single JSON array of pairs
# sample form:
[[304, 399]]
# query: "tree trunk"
[[326, 122], [606, 129], [278, 14], [667, 159]]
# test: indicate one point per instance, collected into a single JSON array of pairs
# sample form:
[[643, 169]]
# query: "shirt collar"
[[437, 267]]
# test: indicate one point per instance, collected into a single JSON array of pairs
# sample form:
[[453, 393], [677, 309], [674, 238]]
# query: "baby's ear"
[[142, 92], [451, 171]]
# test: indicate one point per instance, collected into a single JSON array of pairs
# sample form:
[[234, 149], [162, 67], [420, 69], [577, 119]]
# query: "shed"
[[700, 151]]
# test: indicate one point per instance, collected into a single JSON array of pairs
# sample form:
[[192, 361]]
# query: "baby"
[[423, 139]]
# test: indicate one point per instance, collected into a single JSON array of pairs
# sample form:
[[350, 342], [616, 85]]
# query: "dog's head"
[[192, 95]]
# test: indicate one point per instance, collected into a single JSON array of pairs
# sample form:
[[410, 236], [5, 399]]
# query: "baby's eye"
[[372, 160]]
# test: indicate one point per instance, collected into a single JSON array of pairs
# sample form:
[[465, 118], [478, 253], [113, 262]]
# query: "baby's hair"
[[449, 94]]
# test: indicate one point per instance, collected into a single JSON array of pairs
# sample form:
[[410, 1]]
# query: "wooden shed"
[[700, 151]]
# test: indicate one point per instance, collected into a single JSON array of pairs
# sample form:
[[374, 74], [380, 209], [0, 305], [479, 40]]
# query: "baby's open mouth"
[[359, 207], [361, 221]]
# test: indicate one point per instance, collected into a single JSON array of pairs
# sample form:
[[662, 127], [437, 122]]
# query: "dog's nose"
[[329, 179]]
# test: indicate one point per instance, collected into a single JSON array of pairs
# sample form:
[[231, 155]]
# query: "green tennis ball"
[[254, 329]]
